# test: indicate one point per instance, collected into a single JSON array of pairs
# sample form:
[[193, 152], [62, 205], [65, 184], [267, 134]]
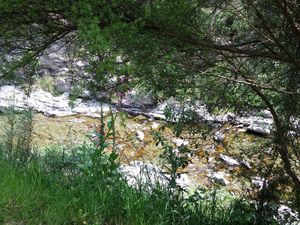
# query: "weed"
[[46, 83], [17, 134]]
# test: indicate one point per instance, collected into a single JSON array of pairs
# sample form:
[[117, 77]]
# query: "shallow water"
[[205, 152]]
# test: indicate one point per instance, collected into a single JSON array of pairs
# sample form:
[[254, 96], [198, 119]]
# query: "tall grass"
[[84, 186], [31, 195]]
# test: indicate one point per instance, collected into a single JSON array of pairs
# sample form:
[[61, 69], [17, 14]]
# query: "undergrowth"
[[83, 185]]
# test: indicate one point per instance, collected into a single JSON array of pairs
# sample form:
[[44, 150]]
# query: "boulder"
[[257, 125], [246, 164], [62, 85], [136, 100], [196, 109], [259, 129]]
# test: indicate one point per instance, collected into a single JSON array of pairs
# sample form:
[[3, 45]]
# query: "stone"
[[267, 114], [154, 125], [62, 85], [259, 129], [138, 173], [183, 180], [246, 164], [209, 148], [81, 63], [156, 116], [197, 108], [119, 59], [76, 120], [86, 94], [219, 136], [219, 178], [136, 100], [230, 161], [140, 135], [179, 142], [257, 125], [224, 118], [49, 105], [258, 182], [286, 215]]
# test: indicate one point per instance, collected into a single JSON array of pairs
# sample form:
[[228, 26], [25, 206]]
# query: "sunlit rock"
[[49, 105], [287, 216], [179, 142], [138, 173], [230, 161], [260, 129], [259, 182], [219, 136], [140, 135], [246, 164], [154, 125], [219, 178]]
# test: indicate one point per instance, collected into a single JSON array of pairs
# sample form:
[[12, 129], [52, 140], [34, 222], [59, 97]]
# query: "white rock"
[[48, 104], [136, 100], [230, 161], [246, 164], [155, 115], [76, 120], [258, 182], [287, 216], [154, 125], [227, 117], [219, 136], [267, 114], [209, 148], [140, 135], [179, 142], [119, 59], [219, 178], [183, 181], [140, 173], [256, 128], [81, 63]]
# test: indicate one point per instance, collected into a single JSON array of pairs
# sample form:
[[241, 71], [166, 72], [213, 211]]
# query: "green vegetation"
[[83, 186], [232, 55], [46, 83], [34, 195]]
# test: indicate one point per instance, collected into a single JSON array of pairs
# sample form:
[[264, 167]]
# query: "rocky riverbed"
[[217, 159]]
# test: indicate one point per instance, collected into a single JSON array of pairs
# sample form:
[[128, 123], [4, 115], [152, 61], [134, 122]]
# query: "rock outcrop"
[[44, 102]]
